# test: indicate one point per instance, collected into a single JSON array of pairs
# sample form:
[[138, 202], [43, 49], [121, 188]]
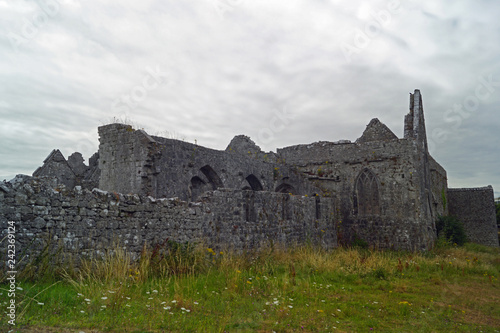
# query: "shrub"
[[450, 229], [359, 243]]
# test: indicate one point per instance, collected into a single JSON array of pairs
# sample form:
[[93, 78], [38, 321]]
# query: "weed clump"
[[450, 230]]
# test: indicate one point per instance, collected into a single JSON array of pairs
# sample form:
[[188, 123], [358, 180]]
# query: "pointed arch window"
[[212, 176], [254, 183], [366, 194]]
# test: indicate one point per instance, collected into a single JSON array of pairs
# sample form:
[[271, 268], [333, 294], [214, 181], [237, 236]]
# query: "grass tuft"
[[180, 287]]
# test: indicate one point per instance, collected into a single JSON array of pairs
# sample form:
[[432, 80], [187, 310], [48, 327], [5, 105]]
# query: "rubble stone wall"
[[87, 222], [475, 207]]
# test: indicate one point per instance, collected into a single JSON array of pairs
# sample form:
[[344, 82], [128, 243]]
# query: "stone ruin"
[[139, 188]]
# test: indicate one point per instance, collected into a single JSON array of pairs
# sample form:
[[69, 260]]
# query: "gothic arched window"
[[366, 194]]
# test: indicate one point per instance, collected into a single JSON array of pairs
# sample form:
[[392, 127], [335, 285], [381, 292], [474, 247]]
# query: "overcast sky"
[[282, 72]]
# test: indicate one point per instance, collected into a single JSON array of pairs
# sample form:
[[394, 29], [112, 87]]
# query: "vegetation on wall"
[[450, 229]]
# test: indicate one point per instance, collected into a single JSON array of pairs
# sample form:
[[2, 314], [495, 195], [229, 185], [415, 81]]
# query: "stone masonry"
[[141, 189]]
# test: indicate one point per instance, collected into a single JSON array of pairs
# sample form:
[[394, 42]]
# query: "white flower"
[[163, 302], [167, 308], [104, 297], [339, 310], [82, 311], [39, 303], [19, 288], [290, 306], [111, 292], [187, 310], [195, 303], [79, 294], [155, 291], [86, 300], [174, 301]]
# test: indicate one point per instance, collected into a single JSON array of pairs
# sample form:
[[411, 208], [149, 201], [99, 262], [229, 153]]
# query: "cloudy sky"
[[282, 72]]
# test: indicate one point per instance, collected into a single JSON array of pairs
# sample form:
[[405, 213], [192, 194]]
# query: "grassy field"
[[178, 289]]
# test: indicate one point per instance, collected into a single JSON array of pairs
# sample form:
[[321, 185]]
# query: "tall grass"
[[180, 287]]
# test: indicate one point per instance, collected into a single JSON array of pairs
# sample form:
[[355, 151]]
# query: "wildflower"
[[195, 303], [104, 297], [249, 282], [86, 300], [167, 308], [320, 311], [155, 291], [238, 271], [111, 292], [174, 301], [339, 310], [290, 306], [39, 303]]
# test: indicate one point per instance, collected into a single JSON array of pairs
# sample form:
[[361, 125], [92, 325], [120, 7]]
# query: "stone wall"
[[398, 217], [475, 207], [87, 222], [131, 161]]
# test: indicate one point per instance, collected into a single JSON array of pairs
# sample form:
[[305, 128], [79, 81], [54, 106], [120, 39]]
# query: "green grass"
[[299, 290]]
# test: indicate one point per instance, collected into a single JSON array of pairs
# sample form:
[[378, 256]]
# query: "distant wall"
[[475, 207], [86, 222], [131, 161]]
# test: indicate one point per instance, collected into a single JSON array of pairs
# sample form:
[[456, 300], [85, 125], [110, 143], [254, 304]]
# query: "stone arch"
[[366, 194], [286, 188], [212, 176], [254, 182]]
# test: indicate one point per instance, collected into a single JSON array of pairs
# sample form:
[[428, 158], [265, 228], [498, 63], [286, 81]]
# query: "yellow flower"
[[249, 282], [238, 271], [320, 310]]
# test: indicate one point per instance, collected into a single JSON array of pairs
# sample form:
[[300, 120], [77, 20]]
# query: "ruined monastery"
[[142, 189]]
